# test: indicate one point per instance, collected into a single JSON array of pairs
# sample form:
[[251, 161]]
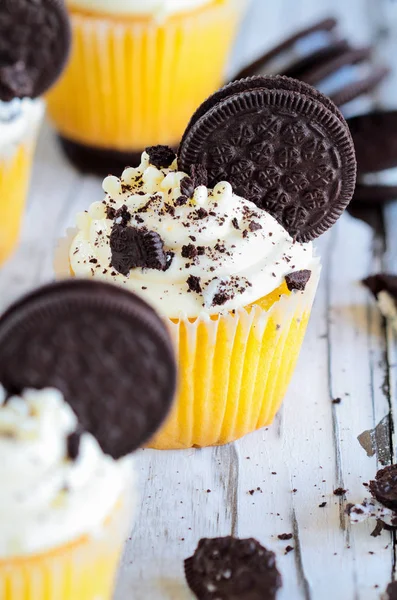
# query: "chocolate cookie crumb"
[[235, 223], [285, 536], [110, 212], [193, 283], [336, 400], [322, 505], [187, 187], [122, 216], [339, 492], [201, 213], [181, 201], [288, 549], [189, 251], [298, 280], [384, 487], [73, 444], [161, 157], [254, 226]]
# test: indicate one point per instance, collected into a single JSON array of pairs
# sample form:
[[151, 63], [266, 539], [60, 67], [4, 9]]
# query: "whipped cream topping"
[[155, 8], [48, 498], [223, 253], [19, 119]]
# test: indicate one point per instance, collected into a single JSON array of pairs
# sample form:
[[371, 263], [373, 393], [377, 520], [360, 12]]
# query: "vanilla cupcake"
[[68, 489], [34, 48], [138, 70], [229, 264]]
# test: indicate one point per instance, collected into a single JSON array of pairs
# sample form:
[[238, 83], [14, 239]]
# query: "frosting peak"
[[219, 251]]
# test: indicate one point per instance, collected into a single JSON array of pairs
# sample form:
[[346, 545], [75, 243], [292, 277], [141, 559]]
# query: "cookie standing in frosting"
[[182, 246]]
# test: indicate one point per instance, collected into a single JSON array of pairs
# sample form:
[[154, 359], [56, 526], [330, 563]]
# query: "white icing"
[[156, 8], [19, 119], [46, 499], [248, 263]]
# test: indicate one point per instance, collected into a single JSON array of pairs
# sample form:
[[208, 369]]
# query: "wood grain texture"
[[247, 488]]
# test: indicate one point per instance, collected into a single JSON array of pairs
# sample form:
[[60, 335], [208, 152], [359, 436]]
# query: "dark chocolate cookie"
[[358, 88], [384, 487], [104, 348], [321, 69], [391, 591], [326, 25], [375, 139], [34, 46], [382, 282], [374, 195], [232, 569], [282, 145], [305, 66]]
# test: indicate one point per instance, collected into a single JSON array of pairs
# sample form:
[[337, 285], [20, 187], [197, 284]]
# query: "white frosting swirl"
[[47, 499], [156, 8], [237, 251], [19, 119]]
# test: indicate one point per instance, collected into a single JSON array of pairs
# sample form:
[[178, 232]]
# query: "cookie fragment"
[[132, 247], [375, 140], [104, 348], [34, 46], [384, 487], [391, 591], [232, 569], [298, 280], [161, 157], [382, 282]]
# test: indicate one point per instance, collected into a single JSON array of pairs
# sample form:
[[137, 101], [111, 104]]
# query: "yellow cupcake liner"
[[15, 169], [134, 82], [234, 370], [84, 570]]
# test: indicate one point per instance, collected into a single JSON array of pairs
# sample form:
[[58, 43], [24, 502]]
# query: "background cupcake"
[[67, 484], [234, 275], [34, 45], [137, 72]]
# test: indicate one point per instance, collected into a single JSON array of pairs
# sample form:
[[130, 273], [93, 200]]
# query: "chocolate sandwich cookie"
[[104, 348], [232, 569], [384, 487], [34, 46], [356, 89], [326, 25], [282, 145], [375, 139]]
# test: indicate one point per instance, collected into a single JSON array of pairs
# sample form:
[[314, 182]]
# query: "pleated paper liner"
[[82, 570], [135, 82], [15, 168], [234, 369]]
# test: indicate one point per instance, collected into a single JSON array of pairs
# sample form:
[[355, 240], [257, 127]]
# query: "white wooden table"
[[312, 447]]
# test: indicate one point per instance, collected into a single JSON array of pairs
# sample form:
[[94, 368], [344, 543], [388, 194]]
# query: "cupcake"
[[68, 489], [137, 72], [33, 49], [219, 241]]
